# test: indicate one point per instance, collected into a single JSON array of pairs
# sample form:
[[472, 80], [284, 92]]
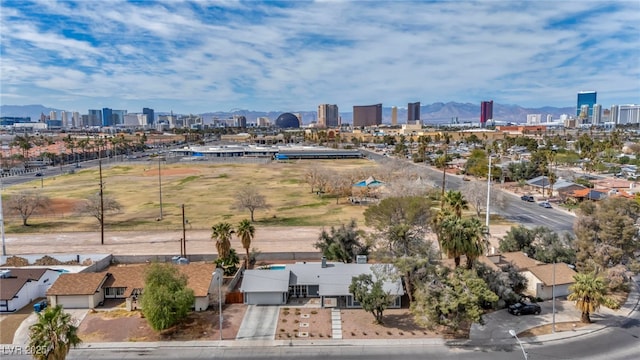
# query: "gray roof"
[[333, 280], [265, 281]]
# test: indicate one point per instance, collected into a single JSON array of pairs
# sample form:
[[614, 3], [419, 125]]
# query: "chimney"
[[323, 264]]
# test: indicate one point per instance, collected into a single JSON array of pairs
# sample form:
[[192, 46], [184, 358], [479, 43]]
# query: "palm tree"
[[476, 239], [452, 237], [53, 335], [221, 232], [246, 231], [456, 201], [589, 292]]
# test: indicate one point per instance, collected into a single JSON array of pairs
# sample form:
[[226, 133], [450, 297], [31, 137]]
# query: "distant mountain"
[[32, 111], [436, 113]]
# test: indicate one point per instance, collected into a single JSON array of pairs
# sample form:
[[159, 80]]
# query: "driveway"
[[259, 323], [498, 323], [21, 337]]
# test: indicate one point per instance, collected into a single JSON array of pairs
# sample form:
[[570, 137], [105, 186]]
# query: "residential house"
[[545, 281], [328, 281], [89, 290], [588, 194], [560, 187], [20, 286]]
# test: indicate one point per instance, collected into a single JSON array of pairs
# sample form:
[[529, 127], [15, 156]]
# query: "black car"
[[528, 198], [524, 309], [38, 174]]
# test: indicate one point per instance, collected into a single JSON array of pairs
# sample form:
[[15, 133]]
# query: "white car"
[[545, 204]]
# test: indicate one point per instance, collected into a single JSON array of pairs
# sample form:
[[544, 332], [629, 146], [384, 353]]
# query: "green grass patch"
[[303, 206], [222, 176], [188, 179]]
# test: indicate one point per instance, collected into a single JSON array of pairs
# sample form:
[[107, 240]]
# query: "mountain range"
[[436, 113]]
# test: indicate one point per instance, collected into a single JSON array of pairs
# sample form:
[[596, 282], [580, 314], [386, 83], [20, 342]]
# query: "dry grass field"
[[206, 189]]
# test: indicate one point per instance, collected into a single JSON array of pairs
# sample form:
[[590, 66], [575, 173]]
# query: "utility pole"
[[4, 247], [488, 195], [183, 245], [101, 205], [160, 185]]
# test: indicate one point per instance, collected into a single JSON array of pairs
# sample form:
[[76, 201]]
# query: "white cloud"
[[264, 57]]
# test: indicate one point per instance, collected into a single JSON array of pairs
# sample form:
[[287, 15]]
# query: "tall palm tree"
[[456, 202], [53, 335], [452, 237], [221, 232], [246, 231], [589, 292], [475, 238]]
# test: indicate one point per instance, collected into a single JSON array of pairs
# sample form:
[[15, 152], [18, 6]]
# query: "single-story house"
[[89, 290], [518, 259], [542, 278], [588, 194], [560, 187], [328, 281], [20, 286]]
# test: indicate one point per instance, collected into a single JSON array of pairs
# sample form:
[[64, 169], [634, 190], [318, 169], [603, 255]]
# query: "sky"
[[224, 55]]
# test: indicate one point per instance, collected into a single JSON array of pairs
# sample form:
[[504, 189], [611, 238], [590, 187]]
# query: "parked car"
[[528, 198], [545, 204], [524, 309], [38, 174]]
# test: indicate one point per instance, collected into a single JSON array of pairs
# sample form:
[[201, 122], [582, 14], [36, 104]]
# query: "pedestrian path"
[[336, 324]]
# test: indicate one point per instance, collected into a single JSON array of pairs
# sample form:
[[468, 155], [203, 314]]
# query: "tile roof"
[[564, 274], [77, 284], [10, 286], [450, 263], [520, 260], [130, 277]]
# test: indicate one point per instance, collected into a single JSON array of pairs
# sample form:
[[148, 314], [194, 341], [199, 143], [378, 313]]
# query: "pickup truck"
[[528, 198]]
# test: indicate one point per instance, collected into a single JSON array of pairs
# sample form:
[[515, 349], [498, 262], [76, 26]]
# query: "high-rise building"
[[367, 115], [95, 117], [106, 117], [53, 115], [150, 115], [64, 118], [262, 121], [549, 118], [534, 119], [597, 114], [613, 114], [413, 112], [586, 98], [117, 117], [486, 112], [328, 115], [394, 115], [76, 121], [628, 114]]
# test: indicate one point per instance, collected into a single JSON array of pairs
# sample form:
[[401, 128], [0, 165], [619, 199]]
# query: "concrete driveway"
[[259, 323], [498, 323]]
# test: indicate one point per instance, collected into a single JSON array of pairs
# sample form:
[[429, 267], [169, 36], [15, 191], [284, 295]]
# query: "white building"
[[628, 114], [534, 119], [597, 114], [76, 120], [20, 286]]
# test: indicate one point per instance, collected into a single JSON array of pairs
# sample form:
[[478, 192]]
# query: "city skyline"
[[288, 56]]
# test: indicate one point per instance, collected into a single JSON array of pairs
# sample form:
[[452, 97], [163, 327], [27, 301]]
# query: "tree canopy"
[[166, 300], [249, 198], [342, 243], [25, 203], [589, 292], [370, 295]]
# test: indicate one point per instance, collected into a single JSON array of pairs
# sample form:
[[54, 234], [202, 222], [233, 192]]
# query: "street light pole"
[[101, 205], [4, 247], [553, 298], [488, 194], [524, 353]]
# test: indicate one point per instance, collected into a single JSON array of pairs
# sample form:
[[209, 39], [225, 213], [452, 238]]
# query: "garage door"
[[74, 302], [266, 298]]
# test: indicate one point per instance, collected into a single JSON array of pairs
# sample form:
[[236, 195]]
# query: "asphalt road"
[[521, 212]]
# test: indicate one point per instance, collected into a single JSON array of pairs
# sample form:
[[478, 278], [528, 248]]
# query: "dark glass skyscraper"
[[413, 111], [486, 112], [150, 115], [107, 117], [586, 98]]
